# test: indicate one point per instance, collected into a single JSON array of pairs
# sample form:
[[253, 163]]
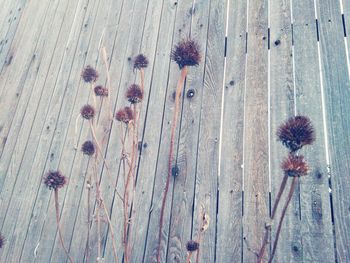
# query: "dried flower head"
[[101, 91], [186, 53], [296, 132], [134, 94], [88, 148], [192, 246], [140, 62], [54, 180], [295, 166], [2, 240], [124, 115], [87, 112], [89, 74]]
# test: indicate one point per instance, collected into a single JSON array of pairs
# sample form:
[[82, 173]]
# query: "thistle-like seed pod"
[[295, 166], [192, 246], [88, 148], [186, 53], [101, 91], [134, 94], [87, 112], [89, 74], [2, 240], [54, 180], [296, 133], [124, 115], [140, 62]]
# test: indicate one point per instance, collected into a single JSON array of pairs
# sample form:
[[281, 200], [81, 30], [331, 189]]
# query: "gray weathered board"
[[262, 62]]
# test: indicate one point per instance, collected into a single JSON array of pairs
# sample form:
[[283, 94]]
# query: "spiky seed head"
[[88, 148], [134, 94], [87, 112], [124, 115], [54, 180], [186, 53], [296, 133], [192, 246], [295, 166], [140, 62], [89, 74], [101, 91], [2, 240]]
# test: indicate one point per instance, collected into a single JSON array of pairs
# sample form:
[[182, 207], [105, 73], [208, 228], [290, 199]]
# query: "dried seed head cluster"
[[54, 180], [186, 53], [295, 166], [124, 115], [140, 62], [89, 74], [296, 133], [88, 148], [87, 112], [101, 91], [192, 246], [2, 240], [134, 94]]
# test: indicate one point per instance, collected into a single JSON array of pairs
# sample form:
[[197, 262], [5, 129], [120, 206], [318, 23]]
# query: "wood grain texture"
[[336, 88], [255, 159], [229, 222], [282, 108], [316, 222], [206, 185], [186, 159]]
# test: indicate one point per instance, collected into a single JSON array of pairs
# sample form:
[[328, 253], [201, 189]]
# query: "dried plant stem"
[[93, 95], [188, 258], [268, 227], [98, 219], [179, 89], [59, 226], [87, 249], [142, 74], [289, 198], [104, 58]]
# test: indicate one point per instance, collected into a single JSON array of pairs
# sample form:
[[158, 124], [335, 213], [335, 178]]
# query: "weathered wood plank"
[[281, 108], [255, 159], [181, 31], [158, 83], [11, 15], [229, 221], [180, 229], [206, 187], [337, 95], [316, 222], [33, 165]]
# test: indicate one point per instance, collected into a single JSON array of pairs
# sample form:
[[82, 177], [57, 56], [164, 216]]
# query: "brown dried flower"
[[87, 112], [192, 246], [101, 91], [89, 74], [140, 62], [295, 166], [134, 94], [55, 180], [88, 148], [124, 115], [186, 53], [296, 133], [2, 240]]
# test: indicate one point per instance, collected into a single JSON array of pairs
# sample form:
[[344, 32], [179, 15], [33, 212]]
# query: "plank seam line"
[[344, 26]]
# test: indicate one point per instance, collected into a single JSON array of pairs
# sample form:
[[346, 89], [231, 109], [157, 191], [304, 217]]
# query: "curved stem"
[[104, 58], [59, 226], [179, 89], [289, 198]]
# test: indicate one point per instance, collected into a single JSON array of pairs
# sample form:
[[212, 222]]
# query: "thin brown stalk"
[[188, 258], [268, 227], [93, 95], [104, 58], [87, 249], [98, 219], [179, 89], [59, 226], [289, 198]]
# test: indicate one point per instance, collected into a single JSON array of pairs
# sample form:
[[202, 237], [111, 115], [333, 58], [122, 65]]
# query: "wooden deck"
[[263, 61]]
